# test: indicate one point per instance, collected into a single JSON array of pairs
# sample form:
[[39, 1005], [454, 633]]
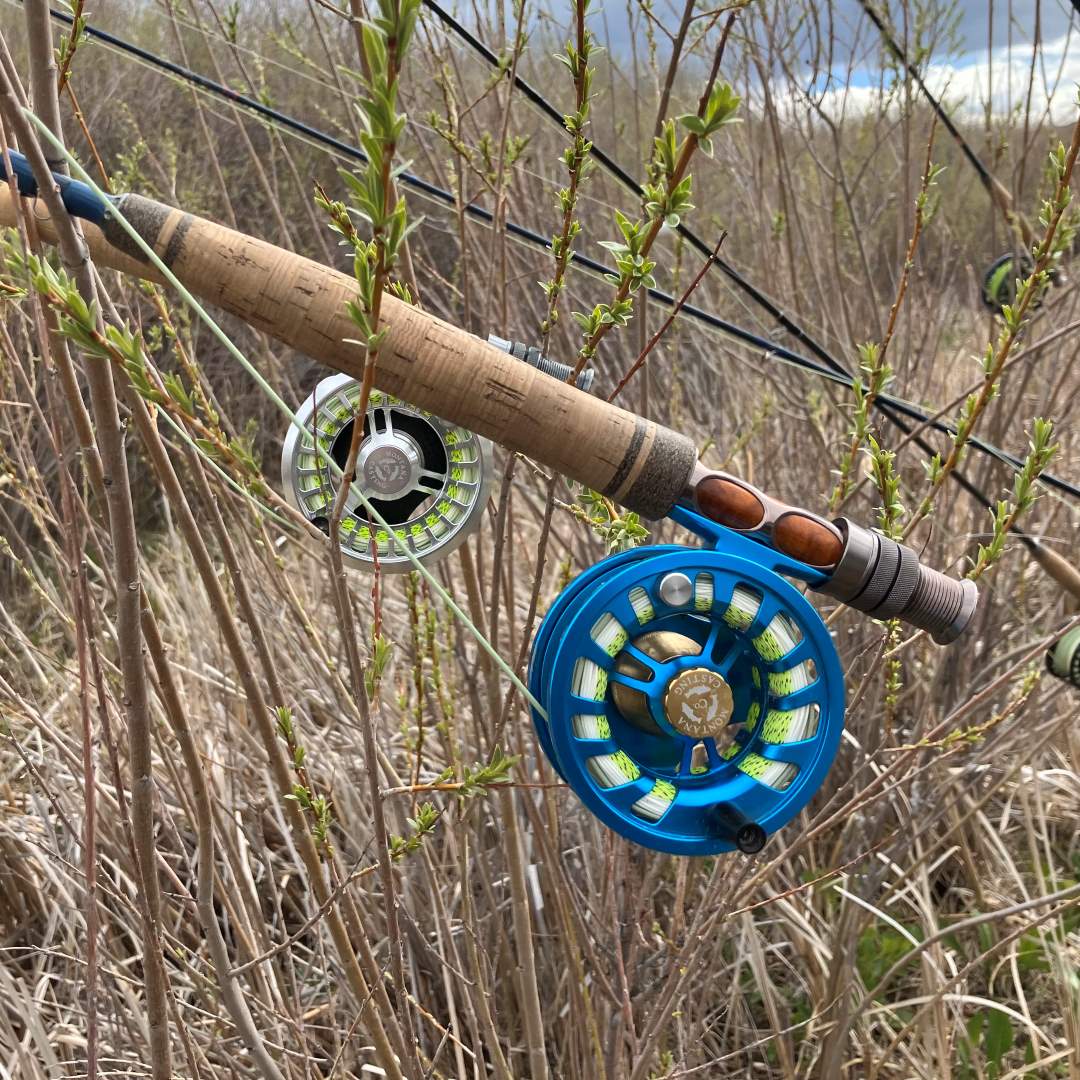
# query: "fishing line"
[[829, 368], [726, 703]]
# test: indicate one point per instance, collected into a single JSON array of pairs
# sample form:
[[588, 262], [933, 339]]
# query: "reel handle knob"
[[885, 579], [729, 823]]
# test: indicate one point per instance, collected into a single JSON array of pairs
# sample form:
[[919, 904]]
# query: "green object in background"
[[999, 283], [1063, 658]]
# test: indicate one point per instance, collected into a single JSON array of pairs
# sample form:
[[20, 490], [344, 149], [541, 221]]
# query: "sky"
[[961, 68], [973, 20], [963, 72]]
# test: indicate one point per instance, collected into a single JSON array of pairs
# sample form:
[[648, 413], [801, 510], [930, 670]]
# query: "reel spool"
[[428, 479], [694, 697], [1063, 658], [999, 281]]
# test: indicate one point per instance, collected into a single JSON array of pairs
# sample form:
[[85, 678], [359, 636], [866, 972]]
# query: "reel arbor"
[[694, 698]]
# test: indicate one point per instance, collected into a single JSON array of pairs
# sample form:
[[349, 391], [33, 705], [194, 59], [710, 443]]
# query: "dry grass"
[[922, 919]]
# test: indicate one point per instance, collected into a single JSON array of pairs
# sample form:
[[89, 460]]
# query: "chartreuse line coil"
[[999, 281], [694, 697], [429, 479]]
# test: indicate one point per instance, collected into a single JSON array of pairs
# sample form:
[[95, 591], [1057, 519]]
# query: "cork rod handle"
[[428, 362], [444, 369]]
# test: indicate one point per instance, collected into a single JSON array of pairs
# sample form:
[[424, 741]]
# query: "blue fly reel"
[[694, 698]]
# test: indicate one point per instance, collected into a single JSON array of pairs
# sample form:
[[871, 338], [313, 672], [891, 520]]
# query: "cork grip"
[[424, 360]]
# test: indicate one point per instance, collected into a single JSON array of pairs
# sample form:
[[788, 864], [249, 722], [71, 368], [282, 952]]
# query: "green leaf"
[[1030, 953], [721, 109], [975, 1026], [999, 1035]]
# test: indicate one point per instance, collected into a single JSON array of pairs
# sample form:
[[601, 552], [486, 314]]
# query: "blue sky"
[[973, 25], [964, 72]]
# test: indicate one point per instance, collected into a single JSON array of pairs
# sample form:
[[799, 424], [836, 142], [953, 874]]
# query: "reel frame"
[[714, 800]]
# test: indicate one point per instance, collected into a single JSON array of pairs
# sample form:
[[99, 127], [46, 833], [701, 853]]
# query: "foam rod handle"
[[425, 361], [103, 252]]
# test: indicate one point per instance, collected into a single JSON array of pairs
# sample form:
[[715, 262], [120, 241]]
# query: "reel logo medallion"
[[387, 470], [698, 703]]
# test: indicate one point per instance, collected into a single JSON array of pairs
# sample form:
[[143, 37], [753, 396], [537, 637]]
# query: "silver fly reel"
[[428, 479]]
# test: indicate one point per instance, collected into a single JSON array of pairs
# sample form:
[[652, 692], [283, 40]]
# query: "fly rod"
[[898, 411], [441, 368]]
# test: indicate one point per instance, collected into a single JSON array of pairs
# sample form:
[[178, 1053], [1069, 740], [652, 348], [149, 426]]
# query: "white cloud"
[[967, 84]]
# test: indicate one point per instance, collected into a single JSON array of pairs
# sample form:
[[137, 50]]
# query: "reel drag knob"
[[428, 479], [694, 699]]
